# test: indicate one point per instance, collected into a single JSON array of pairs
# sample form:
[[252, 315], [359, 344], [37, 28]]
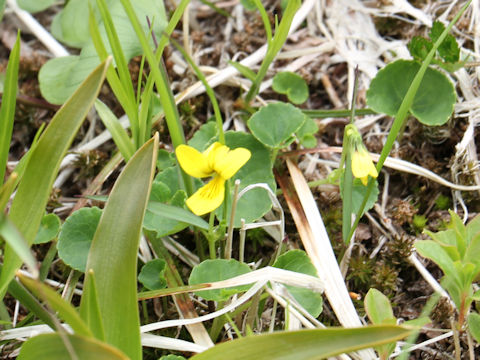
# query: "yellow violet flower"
[[219, 162], [362, 165]]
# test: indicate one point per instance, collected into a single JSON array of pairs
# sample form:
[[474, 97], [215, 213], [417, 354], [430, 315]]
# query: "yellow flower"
[[362, 164], [217, 161]]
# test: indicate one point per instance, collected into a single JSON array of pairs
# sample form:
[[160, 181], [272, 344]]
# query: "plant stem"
[[228, 245]]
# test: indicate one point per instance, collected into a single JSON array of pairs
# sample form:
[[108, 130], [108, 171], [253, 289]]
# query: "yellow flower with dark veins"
[[362, 164], [218, 162]]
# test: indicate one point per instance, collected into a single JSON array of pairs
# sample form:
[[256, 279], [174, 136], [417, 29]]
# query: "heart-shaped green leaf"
[[216, 270], [292, 85], [297, 260], [255, 203], [76, 237], [152, 274], [49, 228], [275, 123], [33, 6], [433, 103]]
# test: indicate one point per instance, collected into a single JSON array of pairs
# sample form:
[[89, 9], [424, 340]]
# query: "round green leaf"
[[33, 6], [76, 237], [163, 225], [255, 203], [275, 123], [292, 85], [53, 78], [172, 357], [306, 133], [203, 135], [152, 274], [216, 270], [49, 228], [433, 103], [298, 261]]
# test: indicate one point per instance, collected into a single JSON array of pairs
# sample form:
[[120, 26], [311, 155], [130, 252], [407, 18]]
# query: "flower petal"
[[193, 162], [208, 197], [229, 163], [362, 166]]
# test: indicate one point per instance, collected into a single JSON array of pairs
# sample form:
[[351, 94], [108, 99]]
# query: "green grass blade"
[[7, 189], [305, 344], [113, 79], [119, 135], [64, 309], [121, 65], [53, 347], [31, 303], [117, 52], [113, 253], [17, 243], [7, 111], [28, 206]]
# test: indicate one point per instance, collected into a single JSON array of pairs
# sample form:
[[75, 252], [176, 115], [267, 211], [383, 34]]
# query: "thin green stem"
[[274, 47], [337, 113], [347, 197], [233, 325], [266, 21], [231, 224], [208, 89], [47, 261]]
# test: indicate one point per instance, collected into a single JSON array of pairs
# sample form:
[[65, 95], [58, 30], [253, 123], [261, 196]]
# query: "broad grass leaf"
[[8, 104], [114, 248], [216, 270], [76, 237], [305, 344], [433, 103], [49, 228], [152, 274], [274, 124], [52, 347], [297, 260], [292, 85], [65, 310], [43, 164]]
